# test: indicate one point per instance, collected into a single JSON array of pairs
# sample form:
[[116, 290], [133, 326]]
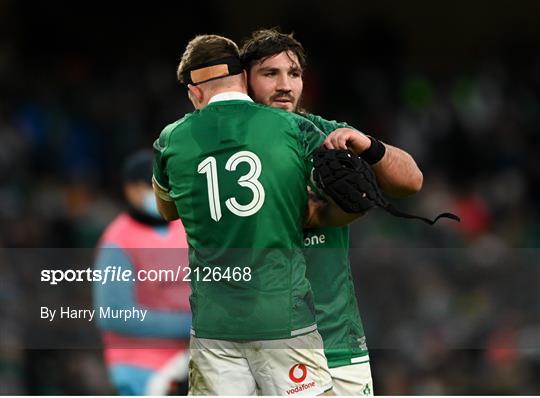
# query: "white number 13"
[[250, 180]]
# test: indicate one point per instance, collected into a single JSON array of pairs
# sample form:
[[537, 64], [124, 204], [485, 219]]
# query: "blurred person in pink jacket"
[[145, 352]]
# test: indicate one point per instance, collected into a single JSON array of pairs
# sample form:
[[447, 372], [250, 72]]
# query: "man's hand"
[[345, 138], [397, 173]]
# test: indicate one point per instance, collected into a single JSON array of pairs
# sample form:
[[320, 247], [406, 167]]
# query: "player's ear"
[[196, 95]]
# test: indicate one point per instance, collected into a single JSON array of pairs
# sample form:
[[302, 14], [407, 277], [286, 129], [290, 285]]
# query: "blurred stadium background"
[[450, 309]]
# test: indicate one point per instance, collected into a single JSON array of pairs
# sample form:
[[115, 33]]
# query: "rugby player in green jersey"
[[236, 172], [275, 62]]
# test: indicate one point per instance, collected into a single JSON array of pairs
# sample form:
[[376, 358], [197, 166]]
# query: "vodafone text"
[[301, 387]]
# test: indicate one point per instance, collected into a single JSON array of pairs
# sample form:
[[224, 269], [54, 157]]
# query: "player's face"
[[277, 81]]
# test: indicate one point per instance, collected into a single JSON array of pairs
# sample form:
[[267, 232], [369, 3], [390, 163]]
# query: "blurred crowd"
[[448, 309]]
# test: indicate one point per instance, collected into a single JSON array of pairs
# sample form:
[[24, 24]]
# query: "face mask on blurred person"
[[150, 204]]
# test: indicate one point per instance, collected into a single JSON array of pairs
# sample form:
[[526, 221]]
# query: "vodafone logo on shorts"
[[298, 373]]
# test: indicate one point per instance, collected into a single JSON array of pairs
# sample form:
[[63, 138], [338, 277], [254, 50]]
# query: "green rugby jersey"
[[237, 172], [329, 272]]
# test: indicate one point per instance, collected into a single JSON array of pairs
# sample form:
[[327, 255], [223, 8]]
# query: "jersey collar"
[[229, 96]]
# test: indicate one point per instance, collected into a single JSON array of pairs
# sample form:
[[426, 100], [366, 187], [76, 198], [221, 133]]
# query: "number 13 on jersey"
[[250, 180]]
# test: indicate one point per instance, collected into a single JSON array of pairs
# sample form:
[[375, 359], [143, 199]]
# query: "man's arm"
[[165, 205], [160, 180], [397, 173]]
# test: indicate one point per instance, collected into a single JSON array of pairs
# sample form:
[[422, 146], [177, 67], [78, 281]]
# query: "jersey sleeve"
[[160, 176], [310, 137], [327, 126]]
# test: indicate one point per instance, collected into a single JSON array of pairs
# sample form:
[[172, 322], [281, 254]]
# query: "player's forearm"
[[165, 205], [167, 210], [397, 173]]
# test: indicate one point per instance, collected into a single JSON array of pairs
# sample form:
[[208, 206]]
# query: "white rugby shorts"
[[291, 367], [354, 379]]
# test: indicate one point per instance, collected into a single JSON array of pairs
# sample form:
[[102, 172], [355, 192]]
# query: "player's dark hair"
[[204, 49], [265, 43]]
